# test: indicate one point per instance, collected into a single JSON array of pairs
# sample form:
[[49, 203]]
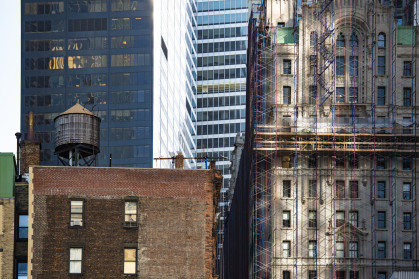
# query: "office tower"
[[130, 62], [332, 156]]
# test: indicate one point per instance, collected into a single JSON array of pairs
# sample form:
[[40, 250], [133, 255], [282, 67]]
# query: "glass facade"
[[128, 61], [221, 85]]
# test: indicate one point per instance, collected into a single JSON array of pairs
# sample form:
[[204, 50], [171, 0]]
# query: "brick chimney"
[[179, 161], [212, 165], [30, 149]]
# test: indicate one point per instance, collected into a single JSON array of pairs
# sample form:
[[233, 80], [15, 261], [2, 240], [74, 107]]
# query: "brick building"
[[122, 222]]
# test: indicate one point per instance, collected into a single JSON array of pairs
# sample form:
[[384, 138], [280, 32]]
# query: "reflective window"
[[353, 218], [222, 33], [354, 190], [44, 63], [286, 218], [353, 250], [130, 219], [87, 80], [22, 270], [312, 218], [340, 189], [55, 25], [286, 95], [286, 189], [128, 97], [86, 98], [79, 62], [354, 40], [407, 191], [127, 23], [23, 227], [124, 60], [340, 249], [44, 45], [131, 42], [340, 218], [76, 213], [44, 82], [407, 250], [286, 249], [130, 133], [130, 115], [119, 152], [127, 5], [312, 249], [407, 221], [87, 43], [130, 78], [91, 24], [381, 40], [41, 8], [87, 6], [287, 67]]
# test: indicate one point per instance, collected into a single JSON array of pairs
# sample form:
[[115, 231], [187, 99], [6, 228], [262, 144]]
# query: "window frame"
[[286, 223], [380, 163], [382, 250], [340, 98], [312, 188], [288, 190], [353, 65], [381, 42], [126, 261], [340, 40], [312, 222], [407, 96], [381, 190], [407, 253], [381, 95], [354, 189], [312, 249], [340, 221], [381, 65], [340, 66], [353, 95], [340, 249], [409, 192], [286, 274], [77, 260], [354, 220], [24, 228], [73, 220], [286, 249], [381, 220], [130, 224], [20, 261], [286, 67], [407, 68], [407, 221], [353, 249], [286, 98]]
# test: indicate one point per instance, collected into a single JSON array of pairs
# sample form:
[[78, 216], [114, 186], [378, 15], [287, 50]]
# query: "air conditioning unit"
[[76, 223]]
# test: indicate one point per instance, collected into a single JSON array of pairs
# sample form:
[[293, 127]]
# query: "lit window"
[[353, 218], [286, 218], [381, 219], [130, 261], [381, 189], [286, 246], [340, 218], [407, 221], [340, 249], [381, 96], [312, 249], [312, 188], [23, 227], [76, 256], [312, 219], [381, 250], [381, 40], [130, 214], [407, 250], [340, 189], [406, 191], [354, 191], [353, 250], [381, 66], [287, 67], [76, 214], [340, 41]]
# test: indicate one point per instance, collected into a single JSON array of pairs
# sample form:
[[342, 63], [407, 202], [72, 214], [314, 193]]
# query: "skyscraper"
[[128, 61]]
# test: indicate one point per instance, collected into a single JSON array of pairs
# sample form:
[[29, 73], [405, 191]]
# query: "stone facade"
[[175, 233]]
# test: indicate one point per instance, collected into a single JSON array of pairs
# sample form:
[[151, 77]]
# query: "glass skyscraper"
[[221, 84], [131, 62]]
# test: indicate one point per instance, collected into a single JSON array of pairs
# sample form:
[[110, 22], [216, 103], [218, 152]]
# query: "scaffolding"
[[347, 149]]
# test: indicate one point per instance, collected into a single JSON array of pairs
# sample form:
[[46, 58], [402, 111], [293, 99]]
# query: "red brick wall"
[[175, 236]]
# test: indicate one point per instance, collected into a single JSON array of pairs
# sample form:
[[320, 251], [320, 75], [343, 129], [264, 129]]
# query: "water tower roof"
[[77, 109]]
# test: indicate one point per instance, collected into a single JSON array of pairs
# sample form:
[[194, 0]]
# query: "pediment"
[[347, 230]]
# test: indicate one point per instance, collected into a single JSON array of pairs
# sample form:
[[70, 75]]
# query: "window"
[[340, 41], [354, 194], [380, 163], [406, 191], [381, 189], [340, 249], [407, 250], [381, 250], [381, 275], [407, 96], [281, 24], [381, 66], [353, 94], [76, 256], [381, 95], [312, 218], [312, 188], [286, 189], [407, 220], [286, 218], [340, 218], [130, 214], [76, 214], [312, 249], [313, 38], [340, 189], [312, 274], [407, 68], [313, 64], [287, 67], [354, 161], [406, 163], [381, 40], [353, 64], [286, 95], [286, 274], [23, 227], [353, 250], [312, 92], [340, 274], [340, 162], [354, 40], [340, 94], [340, 65], [312, 161], [354, 274], [130, 261], [286, 246], [22, 269], [353, 218], [381, 219]]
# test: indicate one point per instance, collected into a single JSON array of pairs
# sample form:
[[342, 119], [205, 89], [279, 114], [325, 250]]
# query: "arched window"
[[354, 40], [381, 40], [313, 38], [340, 42]]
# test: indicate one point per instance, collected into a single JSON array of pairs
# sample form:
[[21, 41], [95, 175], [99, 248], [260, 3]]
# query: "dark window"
[[312, 249], [23, 227], [353, 94], [381, 219], [407, 163], [312, 188], [130, 261], [340, 41], [381, 189], [354, 40], [354, 161], [381, 95], [340, 65], [381, 275], [407, 221], [340, 274], [312, 274], [353, 64], [354, 194], [312, 161], [22, 269], [286, 274], [381, 40], [313, 38], [76, 213], [312, 218], [164, 47], [353, 218], [381, 250], [340, 162], [354, 274], [287, 67], [407, 191], [381, 66], [340, 218], [76, 258], [312, 94], [407, 96], [407, 250], [286, 218], [340, 94], [281, 24], [286, 189], [340, 189], [353, 250], [407, 68], [380, 163], [130, 219], [313, 64], [286, 95]]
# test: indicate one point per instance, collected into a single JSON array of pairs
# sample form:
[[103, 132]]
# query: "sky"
[[9, 74]]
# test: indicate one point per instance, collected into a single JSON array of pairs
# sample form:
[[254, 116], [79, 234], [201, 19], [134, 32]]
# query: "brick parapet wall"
[[7, 227], [30, 155]]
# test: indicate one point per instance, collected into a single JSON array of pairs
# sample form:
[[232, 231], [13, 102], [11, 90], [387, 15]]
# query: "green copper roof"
[[7, 174]]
